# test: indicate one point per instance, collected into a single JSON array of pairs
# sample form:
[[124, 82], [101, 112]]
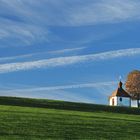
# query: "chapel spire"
[[120, 85]]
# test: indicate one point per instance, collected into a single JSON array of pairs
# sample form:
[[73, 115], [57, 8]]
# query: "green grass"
[[32, 119]]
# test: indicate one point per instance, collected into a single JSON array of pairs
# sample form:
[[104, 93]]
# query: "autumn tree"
[[133, 85]]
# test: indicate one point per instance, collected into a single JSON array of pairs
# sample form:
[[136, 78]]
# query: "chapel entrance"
[[113, 101]]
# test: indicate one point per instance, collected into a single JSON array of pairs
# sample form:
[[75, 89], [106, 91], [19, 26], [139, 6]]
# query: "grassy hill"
[[27, 119]]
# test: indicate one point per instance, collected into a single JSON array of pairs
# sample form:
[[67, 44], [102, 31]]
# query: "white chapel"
[[120, 97]]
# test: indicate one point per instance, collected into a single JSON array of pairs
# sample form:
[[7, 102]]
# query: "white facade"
[[134, 103], [113, 103], [120, 101]]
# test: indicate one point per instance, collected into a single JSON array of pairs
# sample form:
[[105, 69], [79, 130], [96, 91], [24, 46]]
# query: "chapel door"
[[113, 101]]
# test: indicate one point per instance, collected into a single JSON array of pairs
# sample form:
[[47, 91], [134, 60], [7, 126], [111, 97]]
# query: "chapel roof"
[[120, 92]]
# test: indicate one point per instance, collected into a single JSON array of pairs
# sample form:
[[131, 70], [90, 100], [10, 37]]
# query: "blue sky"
[[69, 50]]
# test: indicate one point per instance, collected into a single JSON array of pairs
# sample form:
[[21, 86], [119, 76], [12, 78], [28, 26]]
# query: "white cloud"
[[63, 61], [24, 22], [20, 34], [3, 59], [74, 12], [87, 85], [16, 27], [67, 50], [105, 11], [35, 55], [62, 93], [77, 13]]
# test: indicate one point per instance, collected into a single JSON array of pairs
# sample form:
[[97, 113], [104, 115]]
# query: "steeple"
[[120, 97], [120, 85]]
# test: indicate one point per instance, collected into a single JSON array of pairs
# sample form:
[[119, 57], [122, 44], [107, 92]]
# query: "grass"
[[32, 119]]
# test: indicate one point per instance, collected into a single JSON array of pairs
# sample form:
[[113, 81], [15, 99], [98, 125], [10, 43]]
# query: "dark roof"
[[120, 92]]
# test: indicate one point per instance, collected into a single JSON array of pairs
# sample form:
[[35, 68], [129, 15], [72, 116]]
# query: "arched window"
[[120, 99]]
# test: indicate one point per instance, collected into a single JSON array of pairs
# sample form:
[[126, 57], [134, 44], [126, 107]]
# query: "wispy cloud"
[[87, 85], [67, 50], [23, 22], [63, 61], [11, 58], [63, 93], [55, 95], [75, 12], [102, 11], [16, 28], [21, 33], [35, 55]]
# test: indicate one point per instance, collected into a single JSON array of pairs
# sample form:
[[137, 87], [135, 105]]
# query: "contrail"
[[69, 60]]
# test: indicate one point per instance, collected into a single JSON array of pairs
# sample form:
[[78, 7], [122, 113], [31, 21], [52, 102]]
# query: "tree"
[[133, 85]]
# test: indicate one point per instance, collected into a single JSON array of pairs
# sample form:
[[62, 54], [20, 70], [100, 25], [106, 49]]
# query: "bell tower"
[[120, 85]]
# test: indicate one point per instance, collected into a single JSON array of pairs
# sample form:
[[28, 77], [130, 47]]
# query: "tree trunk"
[[138, 98], [138, 103]]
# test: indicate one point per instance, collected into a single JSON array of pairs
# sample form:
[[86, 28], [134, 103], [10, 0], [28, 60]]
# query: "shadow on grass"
[[52, 104]]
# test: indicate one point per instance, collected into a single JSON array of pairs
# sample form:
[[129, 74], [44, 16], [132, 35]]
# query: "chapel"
[[120, 97]]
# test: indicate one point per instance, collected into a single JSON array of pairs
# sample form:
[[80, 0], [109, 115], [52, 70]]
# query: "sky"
[[68, 50]]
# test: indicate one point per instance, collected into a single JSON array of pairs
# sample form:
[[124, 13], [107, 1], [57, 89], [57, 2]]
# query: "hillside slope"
[[55, 104], [46, 119]]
